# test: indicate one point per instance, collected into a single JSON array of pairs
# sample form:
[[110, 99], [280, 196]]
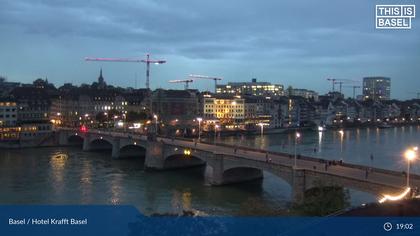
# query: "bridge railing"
[[319, 160]]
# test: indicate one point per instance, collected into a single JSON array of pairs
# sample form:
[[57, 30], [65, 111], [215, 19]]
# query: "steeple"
[[101, 81], [101, 78]]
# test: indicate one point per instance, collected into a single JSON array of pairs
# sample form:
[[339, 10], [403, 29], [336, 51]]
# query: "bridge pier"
[[213, 174], [154, 156], [86, 144], [116, 148], [298, 185]]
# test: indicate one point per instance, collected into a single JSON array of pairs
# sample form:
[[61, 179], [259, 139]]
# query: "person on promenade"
[[371, 159], [266, 157]]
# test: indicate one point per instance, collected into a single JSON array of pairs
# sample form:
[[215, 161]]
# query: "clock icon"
[[387, 226]]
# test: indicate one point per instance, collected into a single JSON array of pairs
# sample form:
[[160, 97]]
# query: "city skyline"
[[271, 42]]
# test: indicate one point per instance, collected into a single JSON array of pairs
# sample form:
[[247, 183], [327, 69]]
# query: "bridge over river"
[[227, 164]]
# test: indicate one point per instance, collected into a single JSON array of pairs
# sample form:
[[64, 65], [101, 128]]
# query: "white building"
[[8, 113], [230, 111]]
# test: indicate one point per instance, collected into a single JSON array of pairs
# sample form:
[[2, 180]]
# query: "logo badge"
[[394, 16]]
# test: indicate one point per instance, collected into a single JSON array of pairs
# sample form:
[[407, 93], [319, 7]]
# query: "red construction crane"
[[206, 77], [147, 61], [186, 81]]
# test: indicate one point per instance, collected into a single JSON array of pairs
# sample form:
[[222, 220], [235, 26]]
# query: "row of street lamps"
[[199, 119]]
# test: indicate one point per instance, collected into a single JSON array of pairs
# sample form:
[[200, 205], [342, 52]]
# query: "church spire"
[[101, 78], [101, 81]]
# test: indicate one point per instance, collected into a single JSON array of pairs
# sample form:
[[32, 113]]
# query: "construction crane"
[[186, 81], [417, 93], [333, 83], [207, 77], [340, 82], [354, 89], [147, 61]]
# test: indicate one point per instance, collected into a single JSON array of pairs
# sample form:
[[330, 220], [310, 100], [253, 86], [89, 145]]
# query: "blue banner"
[[126, 220]]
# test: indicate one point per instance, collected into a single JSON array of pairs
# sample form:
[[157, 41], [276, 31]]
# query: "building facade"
[[251, 88], [8, 113], [229, 110], [180, 106], [376, 88], [306, 93]]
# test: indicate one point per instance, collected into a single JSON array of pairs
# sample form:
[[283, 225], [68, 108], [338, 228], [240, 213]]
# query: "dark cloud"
[[286, 39]]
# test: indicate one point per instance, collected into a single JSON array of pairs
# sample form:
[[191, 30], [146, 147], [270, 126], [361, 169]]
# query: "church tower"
[[101, 81]]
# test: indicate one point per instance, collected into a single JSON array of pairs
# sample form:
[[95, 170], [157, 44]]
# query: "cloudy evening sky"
[[291, 42]]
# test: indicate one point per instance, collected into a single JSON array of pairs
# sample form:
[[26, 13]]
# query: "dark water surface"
[[70, 176]]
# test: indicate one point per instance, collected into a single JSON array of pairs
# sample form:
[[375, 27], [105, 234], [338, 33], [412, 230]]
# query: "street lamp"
[[215, 130], [297, 136], [410, 155], [156, 126], [199, 127]]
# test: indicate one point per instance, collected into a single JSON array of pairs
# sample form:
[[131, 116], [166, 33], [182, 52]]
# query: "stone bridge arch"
[[241, 174], [181, 157], [132, 150], [96, 144]]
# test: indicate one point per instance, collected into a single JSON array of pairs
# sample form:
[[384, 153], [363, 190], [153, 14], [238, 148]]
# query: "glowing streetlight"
[[297, 136], [320, 129], [410, 155], [156, 123], [215, 130], [199, 119]]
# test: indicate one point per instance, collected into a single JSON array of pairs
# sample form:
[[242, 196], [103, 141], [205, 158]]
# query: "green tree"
[[323, 200]]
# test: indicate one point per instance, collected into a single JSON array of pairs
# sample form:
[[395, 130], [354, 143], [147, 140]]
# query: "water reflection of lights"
[[186, 200], [400, 196], [116, 189], [357, 135], [341, 132], [58, 163], [181, 201], [86, 182], [320, 141]]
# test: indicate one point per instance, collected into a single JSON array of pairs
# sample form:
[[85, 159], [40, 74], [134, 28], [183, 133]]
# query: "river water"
[[67, 175]]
